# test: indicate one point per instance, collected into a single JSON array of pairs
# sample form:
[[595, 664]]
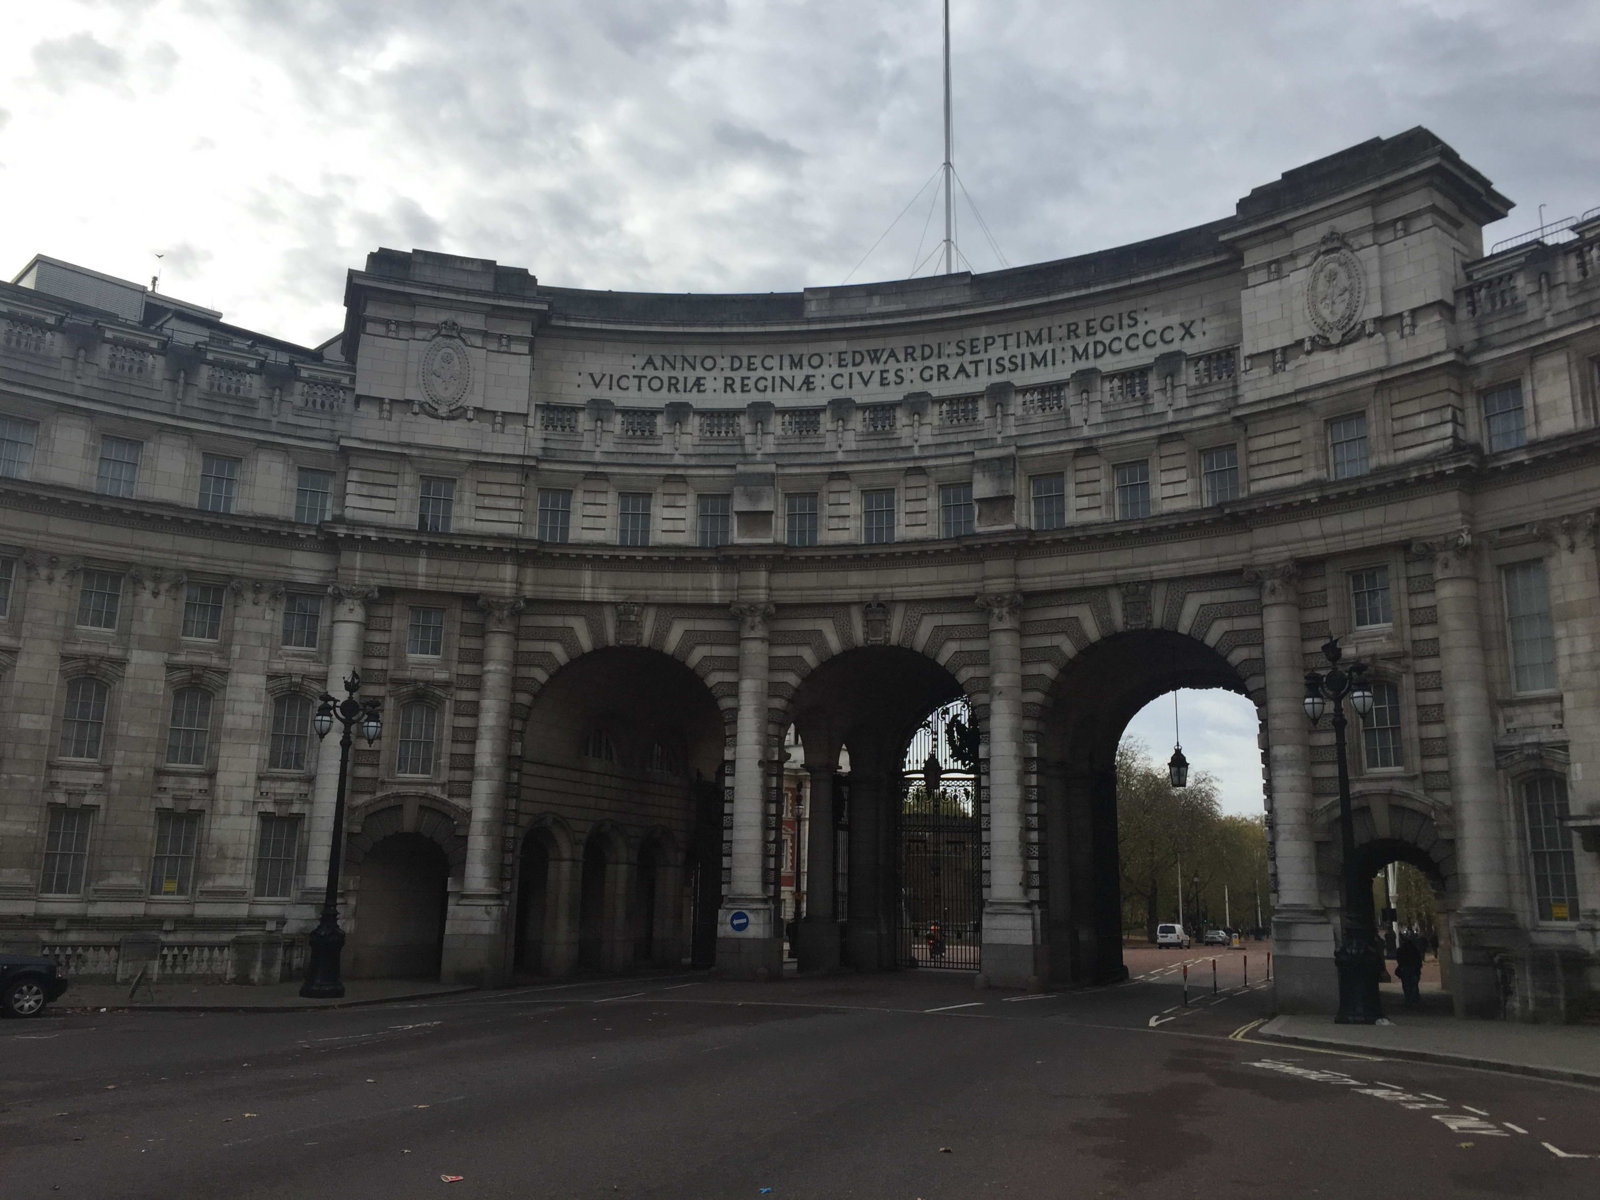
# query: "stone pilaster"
[[819, 931], [346, 635]]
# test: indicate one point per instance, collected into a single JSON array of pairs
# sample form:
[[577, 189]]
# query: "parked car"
[[1215, 937], [1172, 935], [27, 984]]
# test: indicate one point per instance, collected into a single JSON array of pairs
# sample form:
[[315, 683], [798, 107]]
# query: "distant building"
[[598, 552]]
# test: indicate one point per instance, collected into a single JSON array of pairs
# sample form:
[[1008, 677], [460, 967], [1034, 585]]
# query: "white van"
[[1172, 935]]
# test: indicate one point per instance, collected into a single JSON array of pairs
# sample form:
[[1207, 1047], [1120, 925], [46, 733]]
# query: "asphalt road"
[[907, 1086]]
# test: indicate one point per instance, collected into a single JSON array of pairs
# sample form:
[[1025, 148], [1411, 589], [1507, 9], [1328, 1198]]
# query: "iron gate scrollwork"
[[941, 878]]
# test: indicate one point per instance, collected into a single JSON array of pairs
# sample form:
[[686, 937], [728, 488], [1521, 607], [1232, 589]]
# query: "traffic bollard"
[[1186, 985], [1213, 977], [1246, 970]]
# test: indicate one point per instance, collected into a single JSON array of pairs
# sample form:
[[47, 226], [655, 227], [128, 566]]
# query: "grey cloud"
[[81, 58]]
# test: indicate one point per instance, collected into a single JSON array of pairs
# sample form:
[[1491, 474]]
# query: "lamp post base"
[[322, 966], [1359, 964]]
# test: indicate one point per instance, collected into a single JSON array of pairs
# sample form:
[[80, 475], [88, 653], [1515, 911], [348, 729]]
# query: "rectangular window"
[[8, 576], [633, 519], [1132, 481], [1219, 474], [1528, 627], [1380, 729], [1347, 445], [16, 447], [313, 496], [302, 613], [436, 504], [83, 718], [189, 734], [425, 633], [100, 599], [800, 518], [1555, 879], [418, 736], [66, 850], [555, 515], [118, 473], [277, 856], [172, 866], [202, 611], [1049, 494], [1503, 418], [877, 516], [1369, 597], [956, 516], [219, 483], [713, 521]]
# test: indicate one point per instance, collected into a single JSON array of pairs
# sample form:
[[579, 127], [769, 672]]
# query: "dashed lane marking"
[[949, 1007]]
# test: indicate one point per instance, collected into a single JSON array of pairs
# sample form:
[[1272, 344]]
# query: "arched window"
[[1380, 729], [418, 736], [291, 733], [189, 733], [83, 723], [1555, 878], [597, 744]]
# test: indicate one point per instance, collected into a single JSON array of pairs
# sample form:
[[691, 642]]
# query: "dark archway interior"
[[533, 900], [1095, 697], [400, 910], [592, 904]]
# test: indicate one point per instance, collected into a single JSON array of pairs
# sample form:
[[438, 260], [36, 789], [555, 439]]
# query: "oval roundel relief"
[[446, 371], [1335, 289]]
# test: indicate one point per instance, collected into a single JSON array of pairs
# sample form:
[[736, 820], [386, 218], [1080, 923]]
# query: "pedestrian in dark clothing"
[[1408, 966]]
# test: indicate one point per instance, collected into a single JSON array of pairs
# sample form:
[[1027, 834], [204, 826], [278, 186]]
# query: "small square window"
[[555, 515], [17, 438], [425, 632], [1369, 597], [100, 599], [633, 519], [1132, 481], [313, 496], [877, 516], [1503, 418], [956, 516], [1347, 445], [436, 504], [1219, 474], [177, 842], [713, 521], [202, 611], [219, 483], [800, 518], [302, 614], [1049, 494], [118, 473]]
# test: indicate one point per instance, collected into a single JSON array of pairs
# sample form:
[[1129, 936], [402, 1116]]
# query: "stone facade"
[[598, 552]]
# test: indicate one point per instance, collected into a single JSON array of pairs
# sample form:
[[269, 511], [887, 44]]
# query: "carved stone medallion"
[[1336, 288], [446, 372]]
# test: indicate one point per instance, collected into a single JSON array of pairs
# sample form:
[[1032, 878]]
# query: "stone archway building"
[[1066, 487]]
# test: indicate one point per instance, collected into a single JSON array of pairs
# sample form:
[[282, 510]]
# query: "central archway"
[[1094, 698]]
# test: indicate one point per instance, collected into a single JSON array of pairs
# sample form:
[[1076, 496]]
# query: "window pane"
[[1347, 445], [800, 516], [877, 516], [202, 611], [83, 720], [301, 615], [1049, 501], [219, 483], [555, 515], [66, 850], [1369, 596], [16, 447], [419, 726], [277, 856], [172, 866], [1555, 880], [1380, 729], [291, 733], [8, 576], [633, 519], [425, 633], [1219, 474], [436, 505], [1528, 627], [1132, 490], [955, 509], [100, 599], [119, 466], [190, 731], [313, 496], [713, 521], [1503, 418]]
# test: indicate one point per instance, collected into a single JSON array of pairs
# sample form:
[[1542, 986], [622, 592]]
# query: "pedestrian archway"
[[397, 929]]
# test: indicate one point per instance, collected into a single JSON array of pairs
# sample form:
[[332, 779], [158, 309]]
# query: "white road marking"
[[1470, 1109], [1563, 1153], [948, 1007], [629, 996], [1431, 1096], [1514, 1128], [1019, 999], [1154, 1021]]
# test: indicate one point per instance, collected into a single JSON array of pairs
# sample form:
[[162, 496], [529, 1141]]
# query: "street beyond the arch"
[[884, 1086]]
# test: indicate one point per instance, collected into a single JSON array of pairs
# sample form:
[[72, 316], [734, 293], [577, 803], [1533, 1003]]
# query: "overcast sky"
[[265, 146]]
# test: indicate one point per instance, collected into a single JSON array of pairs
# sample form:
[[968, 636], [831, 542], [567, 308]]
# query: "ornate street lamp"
[[1178, 766], [327, 939], [1356, 958]]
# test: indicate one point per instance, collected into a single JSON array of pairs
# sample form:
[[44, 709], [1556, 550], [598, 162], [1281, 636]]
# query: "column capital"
[[1277, 582], [1004, 608], [500, 612], [753, 617], [1449, 557], [1571, 531], [350, 600]]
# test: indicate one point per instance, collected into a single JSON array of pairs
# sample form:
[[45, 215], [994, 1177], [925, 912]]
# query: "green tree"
[[1157, 826]]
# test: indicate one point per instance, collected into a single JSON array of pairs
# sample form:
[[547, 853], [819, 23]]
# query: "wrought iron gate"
[[941, 879]]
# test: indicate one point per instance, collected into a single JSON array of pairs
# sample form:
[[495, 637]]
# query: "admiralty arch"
[[604, 556]]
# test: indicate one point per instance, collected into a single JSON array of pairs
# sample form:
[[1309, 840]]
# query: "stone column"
[[1484, 927], [819, 931], [867, 946], [475, 938], [1303, 937], [748, 940], [1011, 950], [346, 635]]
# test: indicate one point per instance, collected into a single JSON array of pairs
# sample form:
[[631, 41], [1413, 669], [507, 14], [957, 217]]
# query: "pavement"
[[231, 997]]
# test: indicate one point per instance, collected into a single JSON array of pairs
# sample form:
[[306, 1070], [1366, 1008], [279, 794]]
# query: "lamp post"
[[327, 939], [1356, 958]]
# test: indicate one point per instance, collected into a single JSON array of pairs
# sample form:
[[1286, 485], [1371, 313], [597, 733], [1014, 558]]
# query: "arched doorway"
[[596, 916], [397, 929], [535, 870], [1094, 698]]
